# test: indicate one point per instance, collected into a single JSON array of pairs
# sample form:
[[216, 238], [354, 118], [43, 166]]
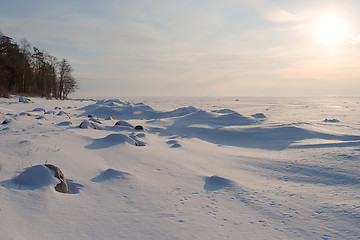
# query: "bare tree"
[[67, 83], [70, 86]]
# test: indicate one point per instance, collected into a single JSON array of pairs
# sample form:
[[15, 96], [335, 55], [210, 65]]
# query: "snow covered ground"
[[201, 168]]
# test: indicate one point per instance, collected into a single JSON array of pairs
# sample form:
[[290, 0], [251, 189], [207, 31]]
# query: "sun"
[[332, 30]]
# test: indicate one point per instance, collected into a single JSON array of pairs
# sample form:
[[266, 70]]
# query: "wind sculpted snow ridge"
[[255, 168]]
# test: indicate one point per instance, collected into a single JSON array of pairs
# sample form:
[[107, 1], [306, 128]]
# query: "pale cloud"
[[190, 47], [279, 15]]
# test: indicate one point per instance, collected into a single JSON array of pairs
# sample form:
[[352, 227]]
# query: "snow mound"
[[128, 111], [40, 118], [178, 112], [66, 123], [61, 113], [111, 102], [170, 142], [50, 112], [214, 120], [119, 112], [35, 177], [111, 140], [223, 111], [173, 143], [38, 110], [142, 106], [259, 115], [214, 183], [118, 137], [111, 174]]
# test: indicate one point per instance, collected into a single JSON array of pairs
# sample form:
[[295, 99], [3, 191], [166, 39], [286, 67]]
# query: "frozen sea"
[[201, 168]]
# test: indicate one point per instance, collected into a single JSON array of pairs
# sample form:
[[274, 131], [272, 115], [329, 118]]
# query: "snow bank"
[[35, 177], [111, 140]]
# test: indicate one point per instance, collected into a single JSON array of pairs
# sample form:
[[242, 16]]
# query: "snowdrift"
[[35, 177], [198, 168]]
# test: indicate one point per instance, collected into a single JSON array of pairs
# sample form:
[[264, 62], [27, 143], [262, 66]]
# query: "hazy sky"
[[197, 47]]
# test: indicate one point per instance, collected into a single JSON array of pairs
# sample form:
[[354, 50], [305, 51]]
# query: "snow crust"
[[201, 168]]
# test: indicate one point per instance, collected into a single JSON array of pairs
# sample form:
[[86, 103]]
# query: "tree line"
[[33, 71]]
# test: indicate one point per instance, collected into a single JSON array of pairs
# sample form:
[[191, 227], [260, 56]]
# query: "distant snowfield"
[[201, 168]]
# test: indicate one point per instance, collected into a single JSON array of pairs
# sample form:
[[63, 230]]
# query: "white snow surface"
[[202, 168]]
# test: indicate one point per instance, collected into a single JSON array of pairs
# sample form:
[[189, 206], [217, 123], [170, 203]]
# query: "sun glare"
[[332, 30]]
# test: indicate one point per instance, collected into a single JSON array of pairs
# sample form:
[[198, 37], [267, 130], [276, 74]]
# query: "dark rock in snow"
[[6, 121], [62, 186], [331, 120], [139, 127]]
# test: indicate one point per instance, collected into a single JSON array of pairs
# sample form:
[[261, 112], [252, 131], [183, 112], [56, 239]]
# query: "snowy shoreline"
[[201, 168]]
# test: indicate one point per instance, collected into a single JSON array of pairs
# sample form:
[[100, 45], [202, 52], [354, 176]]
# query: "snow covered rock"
[[38, 110], [25, 114], [24, 100], [123, 124], [259, 115], [86, 125], [331, 120], [41, 117]]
